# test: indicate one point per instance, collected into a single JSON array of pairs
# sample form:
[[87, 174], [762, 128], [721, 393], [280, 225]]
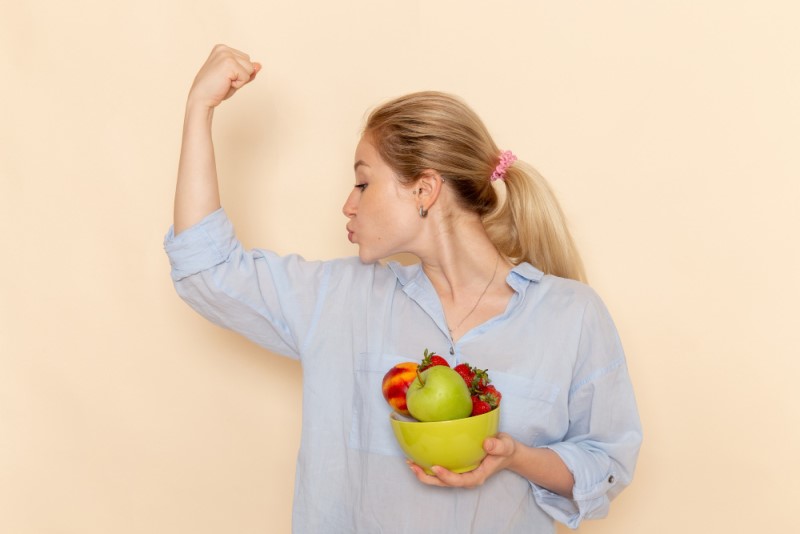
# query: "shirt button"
[[452, 351], [611, 479]]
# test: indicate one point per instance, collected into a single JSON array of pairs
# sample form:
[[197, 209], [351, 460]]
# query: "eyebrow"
[[359, 163]]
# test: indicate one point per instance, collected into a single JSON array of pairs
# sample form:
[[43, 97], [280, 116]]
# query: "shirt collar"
[[406, 273], [521, 275]]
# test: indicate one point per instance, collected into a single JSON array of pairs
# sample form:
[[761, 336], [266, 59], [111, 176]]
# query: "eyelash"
[[361, 186]]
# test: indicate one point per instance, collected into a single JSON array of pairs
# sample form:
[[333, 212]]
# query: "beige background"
[[670, 130]]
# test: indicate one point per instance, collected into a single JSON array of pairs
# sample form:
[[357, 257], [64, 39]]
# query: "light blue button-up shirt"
[[554, 354]]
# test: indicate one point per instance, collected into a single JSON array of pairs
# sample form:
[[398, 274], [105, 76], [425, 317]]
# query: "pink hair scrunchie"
[[506, 160]]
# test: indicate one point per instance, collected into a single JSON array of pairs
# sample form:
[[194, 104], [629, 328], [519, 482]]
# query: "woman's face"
[[382, 213]]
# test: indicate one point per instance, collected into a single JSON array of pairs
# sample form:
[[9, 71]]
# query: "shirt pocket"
[[526, 409], [371, 430]]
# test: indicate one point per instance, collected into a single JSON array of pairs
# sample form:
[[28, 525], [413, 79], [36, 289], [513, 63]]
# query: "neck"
[[465, 269], [463, 265], [459, 264]]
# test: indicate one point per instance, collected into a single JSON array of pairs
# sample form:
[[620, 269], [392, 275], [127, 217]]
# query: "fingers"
[[240, 69], [223, 52], [225, 71], [498, 449], [424, 477], [445, 478], [470, 479], [500, 445]]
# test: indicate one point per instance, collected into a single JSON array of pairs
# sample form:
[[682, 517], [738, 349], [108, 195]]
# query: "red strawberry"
[[431, 359], [491, 396], [480, 379], [467, 373], [479, 406]]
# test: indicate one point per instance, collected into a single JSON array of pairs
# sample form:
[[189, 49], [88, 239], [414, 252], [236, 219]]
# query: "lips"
[[350, 235]]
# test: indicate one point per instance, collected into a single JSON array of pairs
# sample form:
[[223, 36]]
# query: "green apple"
[[438, 394]]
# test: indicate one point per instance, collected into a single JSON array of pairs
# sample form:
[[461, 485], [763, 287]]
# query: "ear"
[[428, 186]]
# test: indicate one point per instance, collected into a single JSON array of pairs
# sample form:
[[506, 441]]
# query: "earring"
[[423, 212]]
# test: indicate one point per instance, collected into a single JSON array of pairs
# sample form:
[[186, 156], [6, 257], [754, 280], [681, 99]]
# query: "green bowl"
[[456, 445]]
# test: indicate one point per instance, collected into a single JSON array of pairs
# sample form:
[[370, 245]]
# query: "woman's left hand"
[[499, 453]]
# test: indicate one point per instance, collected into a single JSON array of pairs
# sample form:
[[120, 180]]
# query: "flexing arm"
[[197, 193]]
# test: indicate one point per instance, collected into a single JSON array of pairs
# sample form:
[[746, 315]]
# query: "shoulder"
[[579, 298], [568, 289], [551, 290], [565, 305]]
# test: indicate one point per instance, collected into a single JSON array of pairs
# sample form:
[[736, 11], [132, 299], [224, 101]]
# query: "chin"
[[367, 258], [370, 256]]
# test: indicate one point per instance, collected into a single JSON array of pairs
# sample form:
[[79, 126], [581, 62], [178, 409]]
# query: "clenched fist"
[[225, 71]]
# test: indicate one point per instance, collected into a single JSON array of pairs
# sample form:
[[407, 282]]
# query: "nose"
[[349, 208]]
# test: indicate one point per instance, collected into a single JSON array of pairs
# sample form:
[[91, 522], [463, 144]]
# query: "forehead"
[[366, 152], [368, 160]]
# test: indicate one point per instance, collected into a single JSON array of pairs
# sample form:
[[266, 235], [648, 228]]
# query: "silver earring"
[[423, 212]]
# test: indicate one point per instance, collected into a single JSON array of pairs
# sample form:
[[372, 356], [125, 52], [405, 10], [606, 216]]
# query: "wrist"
[[198, 109], [519, 457]]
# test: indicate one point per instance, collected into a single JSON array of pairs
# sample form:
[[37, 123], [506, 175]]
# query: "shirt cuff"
[[594, 478], [202, 246]]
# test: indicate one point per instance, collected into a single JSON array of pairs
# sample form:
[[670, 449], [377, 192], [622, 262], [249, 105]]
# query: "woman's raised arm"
[[197, 193]]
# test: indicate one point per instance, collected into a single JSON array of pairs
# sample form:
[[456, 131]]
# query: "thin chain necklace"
[[485, 289]]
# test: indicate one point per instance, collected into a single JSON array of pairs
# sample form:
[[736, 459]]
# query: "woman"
[[498, 285]]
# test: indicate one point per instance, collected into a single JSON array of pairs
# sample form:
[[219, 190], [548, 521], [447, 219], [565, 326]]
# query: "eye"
[[361, 187]]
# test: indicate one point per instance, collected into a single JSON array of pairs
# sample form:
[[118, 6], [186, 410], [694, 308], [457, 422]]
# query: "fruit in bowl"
[[395, 385], [456, 445], [447, 414], [438, 394]]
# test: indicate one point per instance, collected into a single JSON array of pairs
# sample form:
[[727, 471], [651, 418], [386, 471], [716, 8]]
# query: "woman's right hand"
[[225, 71]]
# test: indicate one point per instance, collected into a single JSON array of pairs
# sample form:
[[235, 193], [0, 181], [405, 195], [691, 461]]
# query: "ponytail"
[[529, 225]]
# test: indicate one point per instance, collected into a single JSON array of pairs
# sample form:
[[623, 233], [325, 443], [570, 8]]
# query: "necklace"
[[485, 289]]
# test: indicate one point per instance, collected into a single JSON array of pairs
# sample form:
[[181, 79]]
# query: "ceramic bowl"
[[456, 445]]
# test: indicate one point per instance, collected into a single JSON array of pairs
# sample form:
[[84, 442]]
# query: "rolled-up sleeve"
[[602, 444], [272, 300], [203, 246]]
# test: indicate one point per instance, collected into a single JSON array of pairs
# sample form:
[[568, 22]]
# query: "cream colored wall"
[[669, 130]]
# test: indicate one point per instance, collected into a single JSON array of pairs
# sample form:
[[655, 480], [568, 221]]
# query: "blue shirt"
[[554, 354]]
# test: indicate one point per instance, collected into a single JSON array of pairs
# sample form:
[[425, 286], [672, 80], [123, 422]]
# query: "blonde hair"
[[432, 130]]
